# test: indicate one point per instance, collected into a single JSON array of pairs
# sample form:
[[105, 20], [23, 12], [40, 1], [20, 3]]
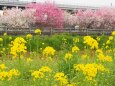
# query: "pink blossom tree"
[[69, 19], [17, 18], [103, 18], [47, 14], [85, 18]]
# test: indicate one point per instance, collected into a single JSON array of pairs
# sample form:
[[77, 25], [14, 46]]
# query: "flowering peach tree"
[[103, 18], [69, 19], [47, 14], [18, 18]]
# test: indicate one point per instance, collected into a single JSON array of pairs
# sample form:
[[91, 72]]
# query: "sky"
[[95, 3]]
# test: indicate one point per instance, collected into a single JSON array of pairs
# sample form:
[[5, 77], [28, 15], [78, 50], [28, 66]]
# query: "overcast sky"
[[98, 3]]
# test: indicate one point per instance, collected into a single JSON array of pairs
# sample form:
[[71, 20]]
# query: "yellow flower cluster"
[[113, 33], [49, 51], [5, 34], [18, 47], [38, 31], [98, 38], [45, 69], [75, 40], [75, 49], [109, 41], [102, 57], [68, 56], [29, 60], [91, 42], [9, 74], [90, 70], [13, 72], [37, 74], [1, 39], [40, 73], [10, 38], [62, 78], [99, 51], [29, 36], [3, 75], [84, 56], [2, 66]]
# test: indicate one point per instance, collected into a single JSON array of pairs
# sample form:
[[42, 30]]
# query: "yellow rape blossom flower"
[[62, 78], [75, 40], [98, 38], [2, 66], [108, 42], [3, 49], [99, 51], [100, 67], [110, 37], [29, 36], [3, 75], [1, 39], [90, 70], [29, 60], [5, 34], [18, 46], [79, 67], [107, 47], [42, 43], [45, 69], [9, 74], [38, 31], [104, 58], [113, 33], [13, 72], [108, 51], [49, 51], [84, 56], [75, 49], [68, 56], [91, 42], [108, 58], [10, 38], [37, 75]]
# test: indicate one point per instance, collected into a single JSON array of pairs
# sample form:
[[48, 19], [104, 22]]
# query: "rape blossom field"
[[57, 60]]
